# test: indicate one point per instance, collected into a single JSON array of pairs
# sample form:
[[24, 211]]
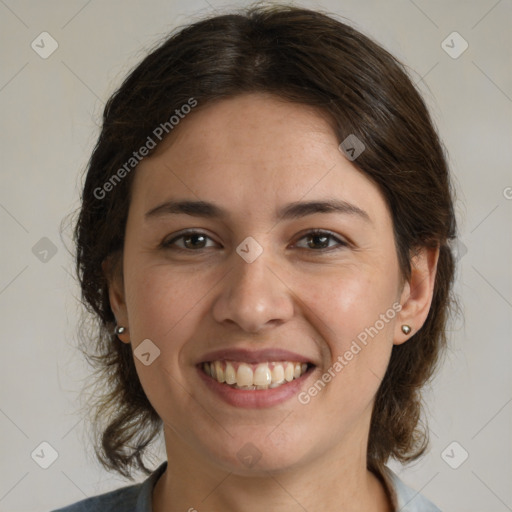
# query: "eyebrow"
[[290, 211]]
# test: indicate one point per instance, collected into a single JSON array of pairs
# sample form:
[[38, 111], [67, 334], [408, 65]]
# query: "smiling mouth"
[[244, 376]]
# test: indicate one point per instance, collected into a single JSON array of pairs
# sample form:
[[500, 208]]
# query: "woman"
[[263, 238]]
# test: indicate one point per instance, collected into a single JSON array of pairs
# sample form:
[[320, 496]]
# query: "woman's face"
[[254, 290]]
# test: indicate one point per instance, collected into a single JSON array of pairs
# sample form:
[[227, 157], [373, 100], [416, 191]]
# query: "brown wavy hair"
[[310, 58]]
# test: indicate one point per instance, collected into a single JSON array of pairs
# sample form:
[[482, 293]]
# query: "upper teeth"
[[257, 376]]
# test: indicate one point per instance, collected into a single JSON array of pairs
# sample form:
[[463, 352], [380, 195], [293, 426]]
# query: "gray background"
[[50, 117]]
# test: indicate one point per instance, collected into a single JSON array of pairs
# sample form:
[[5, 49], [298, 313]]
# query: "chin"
[[258, 454]]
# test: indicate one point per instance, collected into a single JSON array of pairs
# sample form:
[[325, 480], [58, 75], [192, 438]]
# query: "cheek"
[[347, 318], [163, 306], [353, 313], [349, 304], [161, 303]]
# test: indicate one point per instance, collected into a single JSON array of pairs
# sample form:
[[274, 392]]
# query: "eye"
[[192, 240], [319, 240]]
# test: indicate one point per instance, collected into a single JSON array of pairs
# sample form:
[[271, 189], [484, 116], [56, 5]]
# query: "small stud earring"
[[406, 329], [119, 330]]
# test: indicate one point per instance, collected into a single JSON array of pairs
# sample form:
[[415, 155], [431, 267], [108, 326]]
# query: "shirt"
[[138, 497]]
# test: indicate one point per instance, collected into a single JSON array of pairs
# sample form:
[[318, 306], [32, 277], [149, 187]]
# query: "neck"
[[338, 480]]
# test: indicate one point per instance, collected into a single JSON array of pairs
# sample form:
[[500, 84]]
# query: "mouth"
[[257, 379], [255, 376]]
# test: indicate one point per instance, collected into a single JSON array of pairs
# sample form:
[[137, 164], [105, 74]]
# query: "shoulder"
[[121, 499], [405, 498], [131, 498]]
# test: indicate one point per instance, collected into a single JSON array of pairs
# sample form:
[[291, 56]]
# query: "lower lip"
[[257, 398]]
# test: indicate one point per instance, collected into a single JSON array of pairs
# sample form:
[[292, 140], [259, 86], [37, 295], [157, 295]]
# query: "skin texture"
[[251, 155]]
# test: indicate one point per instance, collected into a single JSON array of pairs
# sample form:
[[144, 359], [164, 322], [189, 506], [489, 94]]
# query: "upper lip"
[[254, 356]]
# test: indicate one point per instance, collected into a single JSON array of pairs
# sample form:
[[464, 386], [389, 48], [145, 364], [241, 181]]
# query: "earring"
[[406, 329], [119, 330]]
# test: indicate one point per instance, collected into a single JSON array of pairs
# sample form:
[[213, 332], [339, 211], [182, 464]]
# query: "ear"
[[112, 269], [417, 293]]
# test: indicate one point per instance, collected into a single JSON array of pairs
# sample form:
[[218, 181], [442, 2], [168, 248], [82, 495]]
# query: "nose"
[[254, 296]]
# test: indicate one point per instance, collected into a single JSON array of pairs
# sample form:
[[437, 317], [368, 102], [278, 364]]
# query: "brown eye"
[[192, 241], [319, 240]]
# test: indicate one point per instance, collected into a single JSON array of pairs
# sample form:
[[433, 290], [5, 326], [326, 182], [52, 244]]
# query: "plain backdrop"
[[50, 116]]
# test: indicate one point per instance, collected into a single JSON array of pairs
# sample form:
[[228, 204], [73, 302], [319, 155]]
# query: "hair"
[[309, 58]]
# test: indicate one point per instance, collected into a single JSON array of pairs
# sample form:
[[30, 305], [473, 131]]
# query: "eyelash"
[[313, 232]]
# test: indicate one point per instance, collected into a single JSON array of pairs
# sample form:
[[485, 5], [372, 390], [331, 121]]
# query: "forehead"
[[245, 122], [252, 150]]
